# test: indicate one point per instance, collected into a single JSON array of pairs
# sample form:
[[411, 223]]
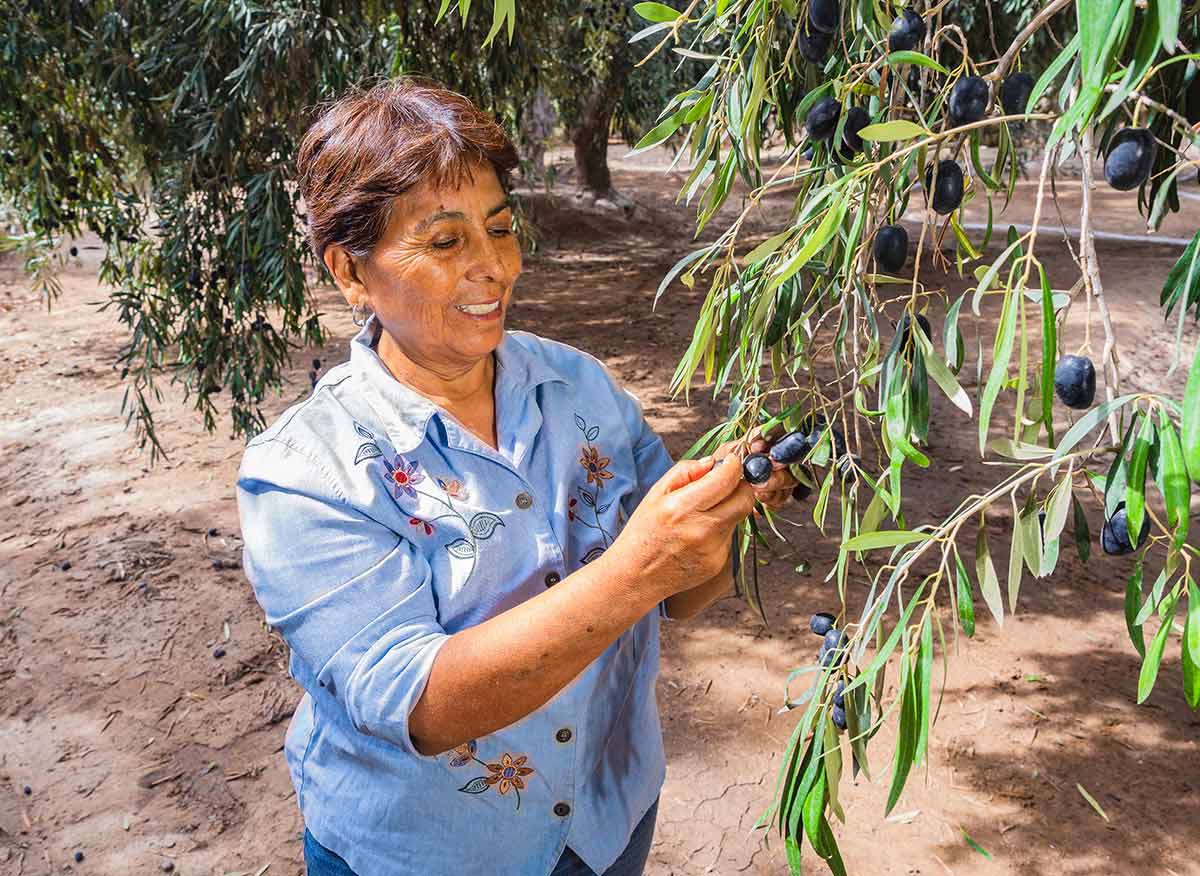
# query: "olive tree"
[[171, 132], [822, 334]]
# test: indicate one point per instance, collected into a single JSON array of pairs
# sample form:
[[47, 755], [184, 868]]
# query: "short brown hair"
[[368, 147]]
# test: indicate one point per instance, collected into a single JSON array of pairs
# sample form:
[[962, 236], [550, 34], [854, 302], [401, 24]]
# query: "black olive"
[[969, 99], [948, 189], [891, 248], [822, 119], [1130, 158], [1014, 93]]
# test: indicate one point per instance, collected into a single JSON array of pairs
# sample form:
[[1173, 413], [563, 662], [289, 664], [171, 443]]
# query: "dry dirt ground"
[[140, 747]]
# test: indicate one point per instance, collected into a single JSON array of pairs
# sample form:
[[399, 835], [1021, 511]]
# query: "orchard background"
[[154, 266]]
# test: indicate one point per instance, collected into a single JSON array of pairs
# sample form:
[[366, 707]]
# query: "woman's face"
[[441, 277]]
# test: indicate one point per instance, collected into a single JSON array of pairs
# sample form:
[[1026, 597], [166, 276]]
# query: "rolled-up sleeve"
[[351, 597]]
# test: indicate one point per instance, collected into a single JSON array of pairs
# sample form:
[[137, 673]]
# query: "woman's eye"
[[445, 244]]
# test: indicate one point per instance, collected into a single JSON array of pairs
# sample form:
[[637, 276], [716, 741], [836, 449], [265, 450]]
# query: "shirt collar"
[[406, 412]]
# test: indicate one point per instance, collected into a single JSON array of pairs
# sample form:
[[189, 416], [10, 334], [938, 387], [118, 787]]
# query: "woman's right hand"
[[680, 534]]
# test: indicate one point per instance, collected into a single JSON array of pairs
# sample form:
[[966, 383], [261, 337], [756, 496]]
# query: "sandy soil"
[[139, 746]]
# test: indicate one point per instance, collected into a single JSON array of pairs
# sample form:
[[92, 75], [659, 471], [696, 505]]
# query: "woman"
[[467, 536]]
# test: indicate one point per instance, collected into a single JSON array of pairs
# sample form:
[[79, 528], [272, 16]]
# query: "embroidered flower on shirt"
[[571, 503], [595, 465], [419, 523], [509, 773], [453, 488], [403, 475], [461, 755]]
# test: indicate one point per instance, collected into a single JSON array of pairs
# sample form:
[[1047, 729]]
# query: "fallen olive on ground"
[[891, 248], [1075, 381]]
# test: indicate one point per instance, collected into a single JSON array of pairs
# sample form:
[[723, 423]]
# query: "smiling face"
[[441, 277]]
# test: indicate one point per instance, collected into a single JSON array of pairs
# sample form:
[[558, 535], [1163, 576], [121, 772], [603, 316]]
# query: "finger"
[[776, 500], [685, 472], [717, 484], [781, 479], [735, 507]]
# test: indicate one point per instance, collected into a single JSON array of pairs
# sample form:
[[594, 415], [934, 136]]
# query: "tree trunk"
[[591, 141]]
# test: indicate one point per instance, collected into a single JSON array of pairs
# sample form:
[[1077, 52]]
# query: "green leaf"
[[1189, 425], [985, 572], [1090, 421], [1191, 647], [1168, 22], [1153, 658], [925, 685], [661, 131], [1002, 353], [1091, 801], [941, 375], [1083, 536], [767, 247], [889, 538], [974, 845], [966, 605], [1175, 484], [1016, 553], [1133, 600], [1051, 73], [814, 242], [909, 57], [893, 131], [1135, 484], [909, 733], [1049, 354], [656, 11]]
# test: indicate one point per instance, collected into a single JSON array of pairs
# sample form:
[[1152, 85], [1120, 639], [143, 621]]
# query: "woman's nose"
[[492, 262]]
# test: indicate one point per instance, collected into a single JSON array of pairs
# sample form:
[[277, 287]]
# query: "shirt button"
[[524, 500], [563, 735], [562, 810], [552, 579]]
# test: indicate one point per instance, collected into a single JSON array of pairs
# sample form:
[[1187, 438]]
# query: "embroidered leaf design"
[[602, 508], [484, 524], [475, 786], [367, 451], [363, 432], [588, 498], [592, 554], [592, 433], [461, 548], [581, 423]]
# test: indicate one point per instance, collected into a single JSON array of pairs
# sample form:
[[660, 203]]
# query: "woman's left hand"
[[777, 491]]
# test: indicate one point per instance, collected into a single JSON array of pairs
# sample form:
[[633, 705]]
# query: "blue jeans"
[[322, 862]]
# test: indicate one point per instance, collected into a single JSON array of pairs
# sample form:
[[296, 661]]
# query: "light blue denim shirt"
[[376, 527]]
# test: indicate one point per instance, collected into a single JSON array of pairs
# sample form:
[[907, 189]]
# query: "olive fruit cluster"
[[822, 22], [822, 121], [832, 652]]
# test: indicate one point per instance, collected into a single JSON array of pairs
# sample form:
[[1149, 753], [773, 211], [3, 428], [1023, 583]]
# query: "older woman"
[[467, 536]]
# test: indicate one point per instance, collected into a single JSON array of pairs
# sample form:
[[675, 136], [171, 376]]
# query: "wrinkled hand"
[[777, 491], [679, 534]]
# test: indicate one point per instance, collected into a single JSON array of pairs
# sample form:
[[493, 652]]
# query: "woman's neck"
[[466, 390]]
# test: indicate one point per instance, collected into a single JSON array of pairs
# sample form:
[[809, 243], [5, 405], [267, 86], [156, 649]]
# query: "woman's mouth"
[[480, 310]]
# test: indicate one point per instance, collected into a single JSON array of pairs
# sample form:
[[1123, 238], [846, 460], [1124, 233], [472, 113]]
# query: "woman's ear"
[[346, 274]]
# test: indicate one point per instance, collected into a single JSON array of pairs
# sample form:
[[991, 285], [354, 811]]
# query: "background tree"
[[171, 133]]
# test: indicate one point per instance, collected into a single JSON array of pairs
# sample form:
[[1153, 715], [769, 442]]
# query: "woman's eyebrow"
[[456, 214]]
